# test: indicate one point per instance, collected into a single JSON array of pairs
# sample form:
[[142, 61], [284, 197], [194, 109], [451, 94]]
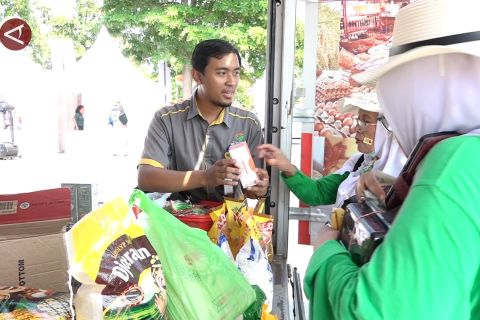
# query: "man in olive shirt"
[[186, 143]]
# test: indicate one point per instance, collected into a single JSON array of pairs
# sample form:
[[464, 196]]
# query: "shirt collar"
[[193, 111], [223, 117]]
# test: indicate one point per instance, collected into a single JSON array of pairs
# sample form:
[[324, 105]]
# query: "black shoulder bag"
[[366, 223]]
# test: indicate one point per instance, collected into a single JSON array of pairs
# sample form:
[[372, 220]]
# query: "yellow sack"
[[118, 270]]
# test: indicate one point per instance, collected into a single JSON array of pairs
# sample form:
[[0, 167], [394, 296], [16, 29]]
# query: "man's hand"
[[325, 233], [274, 157], [223, 172], [261, 188], [369, 181]]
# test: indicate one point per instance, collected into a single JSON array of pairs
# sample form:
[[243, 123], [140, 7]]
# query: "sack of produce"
[[116, 273]]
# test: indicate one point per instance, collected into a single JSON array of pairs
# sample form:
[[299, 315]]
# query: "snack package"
[[116, 273], [182, 208], [235, 230], [218, 228], [241, 153], [28, 303], [265, 227]]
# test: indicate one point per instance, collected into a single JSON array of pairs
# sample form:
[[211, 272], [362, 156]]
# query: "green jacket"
[[315, 192], [428, 266]]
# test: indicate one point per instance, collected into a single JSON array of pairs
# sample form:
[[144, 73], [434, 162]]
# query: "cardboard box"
[[84, 197], [37, 259], [32, 245], [34, 206]]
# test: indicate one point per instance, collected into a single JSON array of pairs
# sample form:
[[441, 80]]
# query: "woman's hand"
[[368, 181], [324, 234], [261, 188], [274, 157]]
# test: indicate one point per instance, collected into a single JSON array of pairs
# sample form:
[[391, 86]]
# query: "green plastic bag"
[[202, 282], [254, 312]]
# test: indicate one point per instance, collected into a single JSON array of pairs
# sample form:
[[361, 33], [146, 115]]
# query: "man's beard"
[[221, 104]]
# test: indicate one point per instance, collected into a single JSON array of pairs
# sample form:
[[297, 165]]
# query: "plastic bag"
[[202, 282], [254, 312], [253, 264], [240, 227], [116, 272]]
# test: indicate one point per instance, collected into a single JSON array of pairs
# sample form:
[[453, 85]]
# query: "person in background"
[[117, 117], [186, 143], [118, 120], [122, 117], [78, 120], [379, 151], [428, 265]]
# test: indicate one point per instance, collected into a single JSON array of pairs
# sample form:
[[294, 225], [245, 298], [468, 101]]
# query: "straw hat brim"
[[370, 76]]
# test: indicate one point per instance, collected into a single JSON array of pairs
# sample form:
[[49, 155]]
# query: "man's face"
[[220, 79]]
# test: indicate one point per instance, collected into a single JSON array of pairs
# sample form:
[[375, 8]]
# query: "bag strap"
[[400, 188], [358, 163]]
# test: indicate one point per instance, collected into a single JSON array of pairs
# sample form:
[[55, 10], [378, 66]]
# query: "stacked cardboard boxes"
[[32, 245]]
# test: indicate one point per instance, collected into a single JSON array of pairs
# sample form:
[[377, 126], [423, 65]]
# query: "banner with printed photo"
[[353, 36]]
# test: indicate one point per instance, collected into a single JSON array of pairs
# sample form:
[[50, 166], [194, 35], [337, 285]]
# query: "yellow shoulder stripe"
[[244, 118], [152, 163], [174, 112]]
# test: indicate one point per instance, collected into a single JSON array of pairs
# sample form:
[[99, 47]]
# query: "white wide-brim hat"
[[427, 28], [366, 101]]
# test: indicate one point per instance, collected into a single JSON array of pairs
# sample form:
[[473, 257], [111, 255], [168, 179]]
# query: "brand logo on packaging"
[[133, 296], [123, 265]]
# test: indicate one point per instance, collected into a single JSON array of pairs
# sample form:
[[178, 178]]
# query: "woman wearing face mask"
[[428, 266], [378, 151]]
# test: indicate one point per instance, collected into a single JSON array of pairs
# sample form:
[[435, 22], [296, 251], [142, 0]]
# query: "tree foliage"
[[82, 27], [159, 30]]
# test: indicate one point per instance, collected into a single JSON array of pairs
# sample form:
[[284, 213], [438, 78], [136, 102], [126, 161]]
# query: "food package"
[[265, 228], [182, 208], [116, 273], [241, 154], [219, 225], [32, 304], [236, 228]]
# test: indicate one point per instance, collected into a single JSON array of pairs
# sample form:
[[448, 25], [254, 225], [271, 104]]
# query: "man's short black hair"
[[207, 49]]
